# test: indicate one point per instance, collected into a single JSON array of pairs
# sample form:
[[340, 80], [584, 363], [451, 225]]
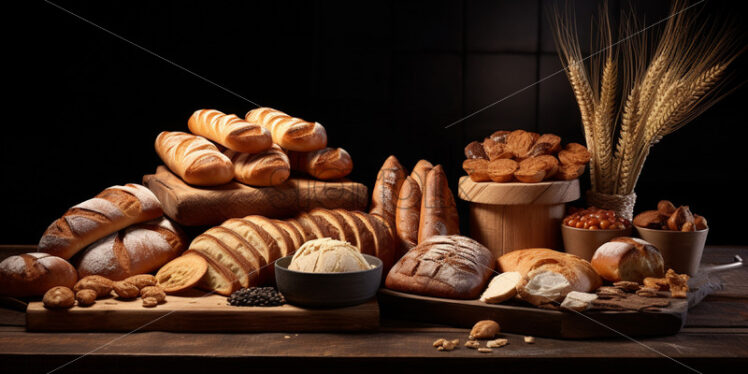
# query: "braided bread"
[[230, 131], [196, 160], [291, 133]]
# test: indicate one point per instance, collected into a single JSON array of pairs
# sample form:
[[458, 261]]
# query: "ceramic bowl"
[[328, 290], [681, 251], [584, 242]]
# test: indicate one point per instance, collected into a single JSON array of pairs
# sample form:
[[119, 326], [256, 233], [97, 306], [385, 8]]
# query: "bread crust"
[[291, 133], [387, 189], [438, 214], [407, 218], [269, 168], [420, 171], [193, 158], [364, 236], [576, 270], [324, 164], [32, 274], [230, 131]]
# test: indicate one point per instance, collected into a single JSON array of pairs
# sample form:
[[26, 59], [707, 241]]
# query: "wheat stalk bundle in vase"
[[635, 89]]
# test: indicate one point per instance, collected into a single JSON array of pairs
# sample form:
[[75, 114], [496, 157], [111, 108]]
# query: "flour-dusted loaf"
[[324, 164], [194, 159], [628, 259], [268, 168], [110, 211], [579, 273], [291, 133], [230, 131], [32, 274], [438, 214], [452, 266], [138, 249]]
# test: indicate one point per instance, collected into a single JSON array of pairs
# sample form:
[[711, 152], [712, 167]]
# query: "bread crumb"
[[498, 343], [287, 337], [485, 350], [529, 340]]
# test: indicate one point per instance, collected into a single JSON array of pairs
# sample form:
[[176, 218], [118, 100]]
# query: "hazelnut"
[[485, 329], [150, 302], [59, 297], [126, 290], [155, 292], [101, 285], [85, 297]]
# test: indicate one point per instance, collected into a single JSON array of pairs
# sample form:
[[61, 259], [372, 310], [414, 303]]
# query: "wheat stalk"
[[604, 122], [586, 101]]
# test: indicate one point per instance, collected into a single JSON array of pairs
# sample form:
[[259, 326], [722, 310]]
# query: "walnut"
[[155, 292], [574, 153], [86, 297], [101, 285], [472, 344], [126, 290], [59, 297], [142, 280], [485, 329], [475, 150], [498, 343], [438, 342], [150, 302]]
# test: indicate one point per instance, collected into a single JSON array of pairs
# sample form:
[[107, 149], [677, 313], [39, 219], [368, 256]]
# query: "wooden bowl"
[[584, 242], [681, 251], [328, 290], [509, 216]]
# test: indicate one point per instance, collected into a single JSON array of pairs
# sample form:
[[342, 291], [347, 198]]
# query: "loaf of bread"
[[291, 133], [407, 216], [268, 168], [32, 274], [628, 259], [453, 266], [138, 249], [196, 160], [230, 131], [110, 211], [386, 191], [324, 164], [438, 214], [579, 273], [420, 171]]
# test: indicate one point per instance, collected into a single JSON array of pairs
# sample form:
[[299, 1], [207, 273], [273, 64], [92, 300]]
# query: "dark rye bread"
[[452, 266]]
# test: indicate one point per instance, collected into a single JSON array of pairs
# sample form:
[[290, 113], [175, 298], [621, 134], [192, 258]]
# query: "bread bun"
[[33, 274], [628, 259]]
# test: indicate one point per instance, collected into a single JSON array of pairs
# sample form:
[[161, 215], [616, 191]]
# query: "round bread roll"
[[32, 274], [628, 259]]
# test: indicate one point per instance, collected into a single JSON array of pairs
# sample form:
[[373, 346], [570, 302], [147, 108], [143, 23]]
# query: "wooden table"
[[715, 339]]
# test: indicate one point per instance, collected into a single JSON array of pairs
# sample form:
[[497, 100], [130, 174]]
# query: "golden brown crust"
[[408, 214], [291, 133], [269, 168], [422, 168], [364, 236], [324, 164], [681, 216], [217, 277], [386, 190], [230, 131], [345, 231], [477, 169], [59, 297], [32, 274], [665, 207], [102, 286], [438, 214], [195, 159], [627, 259]]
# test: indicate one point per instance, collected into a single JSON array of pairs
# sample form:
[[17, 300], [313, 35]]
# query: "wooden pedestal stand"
[[509, 216]]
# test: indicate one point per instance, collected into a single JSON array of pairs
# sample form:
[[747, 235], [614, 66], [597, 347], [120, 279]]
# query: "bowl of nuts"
[[679, 235], [584, 230]]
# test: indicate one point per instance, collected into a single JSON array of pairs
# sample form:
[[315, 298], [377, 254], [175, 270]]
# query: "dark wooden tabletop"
[[715, 338]]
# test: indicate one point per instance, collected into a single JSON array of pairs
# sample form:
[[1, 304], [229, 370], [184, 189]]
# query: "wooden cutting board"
[[200, 314], [202, 206], [527, 320]]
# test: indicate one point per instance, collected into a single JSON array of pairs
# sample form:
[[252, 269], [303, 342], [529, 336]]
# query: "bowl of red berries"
[[584, 230]]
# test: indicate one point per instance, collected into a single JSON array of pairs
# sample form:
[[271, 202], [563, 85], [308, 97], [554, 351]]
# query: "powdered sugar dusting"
[[99, 257], [612, 249], [99, 205]]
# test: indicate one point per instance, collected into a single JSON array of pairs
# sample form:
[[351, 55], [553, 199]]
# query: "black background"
[[384, 77]]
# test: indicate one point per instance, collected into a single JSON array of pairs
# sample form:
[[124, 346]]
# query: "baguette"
[[386, 191], [324, 164], [110, 211], [138, 249], [269, 168], [407, 217], [230, 131], [438, 214], [364, 236], [420, 171], [291, 133], [196, 160]]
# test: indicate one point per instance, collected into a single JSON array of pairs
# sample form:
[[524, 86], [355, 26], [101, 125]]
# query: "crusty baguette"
[[32, 274], [138, 249], [438, 214], [196, 160], [386, 191], [268, 168], [291, 133], [407, 217], [260, 240], [230, 131], [324, 164], [310, 228], [110, 211], [307, 234], [420, 171], [386, 244]]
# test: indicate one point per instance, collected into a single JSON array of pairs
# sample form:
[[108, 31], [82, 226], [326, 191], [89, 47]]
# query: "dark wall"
[[384, 77]]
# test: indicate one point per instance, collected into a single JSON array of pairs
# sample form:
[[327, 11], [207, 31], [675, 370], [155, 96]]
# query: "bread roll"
[[138, 249], [217, 277], [269, 168], [386, 191], [454, 267], [438, 209], [628, 259], [196, 160], [407, 217], [291, 133], [324, 164], [230, 131], [581, 276], [110, 211], [32, 274]]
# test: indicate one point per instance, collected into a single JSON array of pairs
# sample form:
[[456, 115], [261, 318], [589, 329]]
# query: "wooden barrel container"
[[509, 216]]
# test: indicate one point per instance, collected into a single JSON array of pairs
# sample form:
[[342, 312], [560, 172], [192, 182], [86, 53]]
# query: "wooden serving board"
[[198, 206], [200, 314], [520, 319]]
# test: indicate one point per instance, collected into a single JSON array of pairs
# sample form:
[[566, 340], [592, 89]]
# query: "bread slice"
[[306, 235], [292, 232], [364, 236], [217, 278], [502, 287], [345, 231], [238, 244], [211, 247], [278, 234], [311, 226], [384, 243], [260, 240]]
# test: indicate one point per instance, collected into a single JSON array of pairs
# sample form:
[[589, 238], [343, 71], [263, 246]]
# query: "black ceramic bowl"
[[328, 290]]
